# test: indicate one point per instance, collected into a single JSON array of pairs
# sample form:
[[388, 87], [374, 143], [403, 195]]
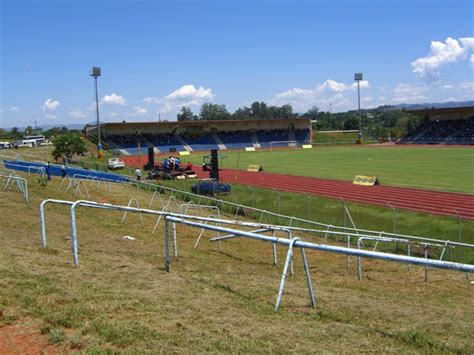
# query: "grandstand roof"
[[169, 126], [448, 113]]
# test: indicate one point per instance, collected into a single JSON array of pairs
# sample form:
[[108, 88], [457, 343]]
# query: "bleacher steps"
[[183, 143], [219, 142], [255, 142]]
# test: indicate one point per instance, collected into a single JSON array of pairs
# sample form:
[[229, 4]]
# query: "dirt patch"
[[24, 338]]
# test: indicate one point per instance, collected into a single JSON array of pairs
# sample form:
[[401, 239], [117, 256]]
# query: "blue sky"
[[157, 56]]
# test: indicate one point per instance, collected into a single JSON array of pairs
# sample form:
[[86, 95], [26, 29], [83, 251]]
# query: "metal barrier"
[[20, 182], [341, 230], [298, 243], [203, 223]]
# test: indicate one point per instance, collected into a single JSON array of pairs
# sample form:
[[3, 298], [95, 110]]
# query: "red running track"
[[435, 202]]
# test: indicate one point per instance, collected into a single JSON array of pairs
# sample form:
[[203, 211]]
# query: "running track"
[[440, 203]]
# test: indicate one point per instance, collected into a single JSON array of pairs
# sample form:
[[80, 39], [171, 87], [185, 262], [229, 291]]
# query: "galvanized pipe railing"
[[342, 230], [289, 242], [298, 243], [213, 220], [440, 264], [21, 183]]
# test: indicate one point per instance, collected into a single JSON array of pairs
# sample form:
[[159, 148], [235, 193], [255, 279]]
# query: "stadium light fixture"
[[358, 78], [95, 73]]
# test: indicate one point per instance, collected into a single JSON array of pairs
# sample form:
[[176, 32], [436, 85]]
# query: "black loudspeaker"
[[214, 165], [151, 159]]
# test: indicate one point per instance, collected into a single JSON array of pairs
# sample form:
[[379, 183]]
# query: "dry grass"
[[120, 298]]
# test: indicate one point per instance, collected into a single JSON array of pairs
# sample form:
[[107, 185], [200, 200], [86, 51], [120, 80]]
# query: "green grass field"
[[437, 168]]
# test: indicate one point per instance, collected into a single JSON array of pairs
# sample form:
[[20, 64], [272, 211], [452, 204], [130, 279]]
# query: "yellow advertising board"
[[250, 149], [307, 146], [366, 180], [184, 152], [255, 168]]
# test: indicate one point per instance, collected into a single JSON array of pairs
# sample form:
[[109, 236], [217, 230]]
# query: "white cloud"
[[49, 116], [466, 86], [328, 93], [113, 99], [447, 87], [152, 100], [76, 113], [442, 53], [331, 85], [49, 104], [14, 108], [406, 93], [296, 93], [364, 84], [187, 95], [140, 111]]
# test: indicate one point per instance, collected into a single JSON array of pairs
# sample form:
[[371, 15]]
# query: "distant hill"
[[450, 104]]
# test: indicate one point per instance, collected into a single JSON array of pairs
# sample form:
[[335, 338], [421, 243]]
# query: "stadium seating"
[[236, 139], [200, 142], [130, 142], [231, 140], [265, 137], [442, 132]]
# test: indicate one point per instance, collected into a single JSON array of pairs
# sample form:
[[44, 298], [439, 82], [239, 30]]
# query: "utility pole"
[[358, 78], [95, 74]]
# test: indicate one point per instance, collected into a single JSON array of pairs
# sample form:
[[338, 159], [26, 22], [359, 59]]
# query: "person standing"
[[48, 170], [138, 173], [63, 171]]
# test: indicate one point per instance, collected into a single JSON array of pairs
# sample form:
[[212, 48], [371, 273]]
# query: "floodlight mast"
[[95, 73], [358, 78]]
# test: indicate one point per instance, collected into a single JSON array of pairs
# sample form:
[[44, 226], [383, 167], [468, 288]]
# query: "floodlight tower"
[[95, 73], [358, 78]]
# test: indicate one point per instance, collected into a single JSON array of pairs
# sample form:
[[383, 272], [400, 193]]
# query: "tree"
[[67, 145], [312, 113], [28, 130], [214, 112], [244, 113], [185, 115], [15, 133]]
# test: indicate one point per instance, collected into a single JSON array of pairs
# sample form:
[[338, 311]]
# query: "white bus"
[[38, 138]]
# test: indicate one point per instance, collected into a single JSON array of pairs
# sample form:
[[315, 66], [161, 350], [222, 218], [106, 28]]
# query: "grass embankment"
[[119, 298], [436, 168]]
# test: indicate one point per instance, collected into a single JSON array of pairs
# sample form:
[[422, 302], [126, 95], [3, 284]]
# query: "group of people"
[[48, 170], [172, 163]]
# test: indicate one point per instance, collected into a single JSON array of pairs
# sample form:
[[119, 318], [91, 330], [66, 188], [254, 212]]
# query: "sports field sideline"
[[438, 168]]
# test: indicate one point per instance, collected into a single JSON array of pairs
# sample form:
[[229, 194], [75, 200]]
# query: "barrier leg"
[[289, 255], [167, 246], [308, 278], [175, 244], [74, 238]]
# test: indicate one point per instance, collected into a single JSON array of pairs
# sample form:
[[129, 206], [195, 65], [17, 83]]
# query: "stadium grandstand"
[[443, 126], [130, 137]]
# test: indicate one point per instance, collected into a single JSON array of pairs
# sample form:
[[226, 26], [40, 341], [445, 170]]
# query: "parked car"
[[115, 163]]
